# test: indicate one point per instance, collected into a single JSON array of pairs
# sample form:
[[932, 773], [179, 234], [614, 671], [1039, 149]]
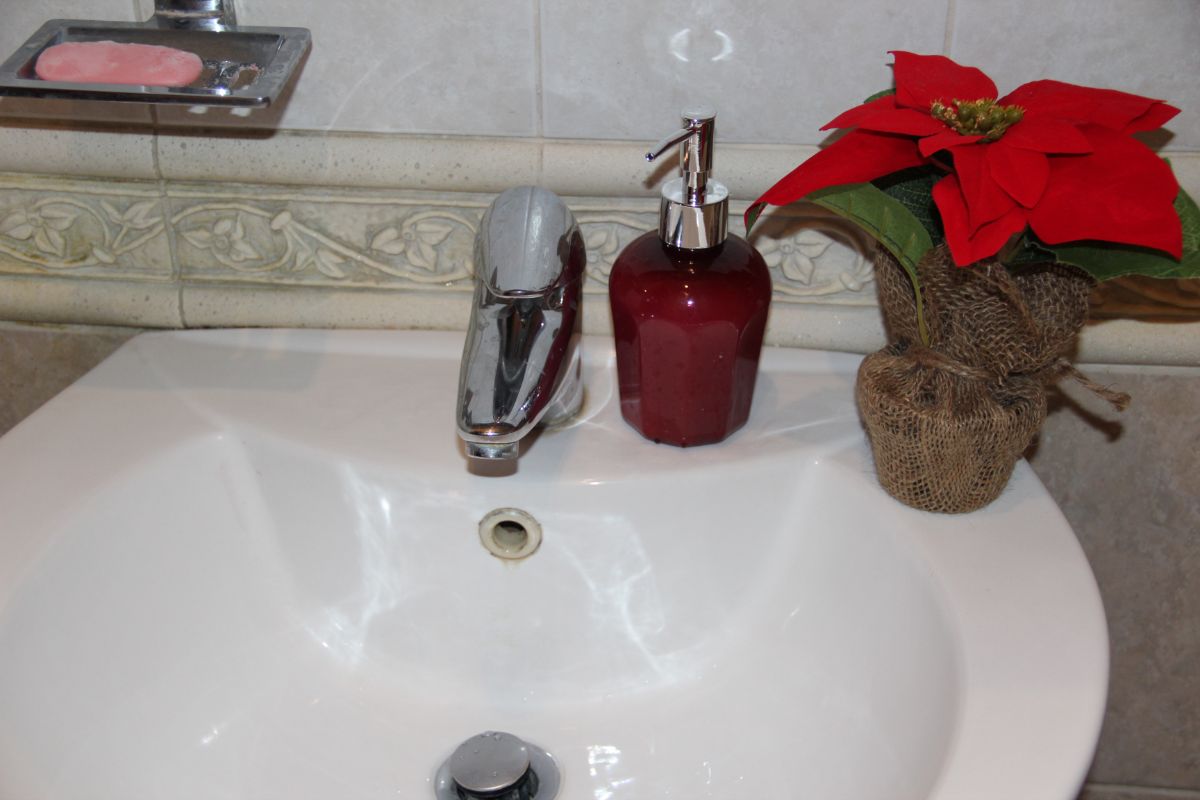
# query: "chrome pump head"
[[694, 213]]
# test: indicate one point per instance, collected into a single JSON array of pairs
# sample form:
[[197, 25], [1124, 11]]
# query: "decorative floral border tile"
[[426, 241], [393, 240], [85, 228], [397, 240]]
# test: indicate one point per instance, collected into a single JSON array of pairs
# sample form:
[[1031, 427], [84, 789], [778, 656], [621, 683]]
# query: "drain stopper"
[[497, 766], [491, 764]]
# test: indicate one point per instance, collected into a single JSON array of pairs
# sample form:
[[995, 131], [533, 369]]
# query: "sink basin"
[[247, 564]]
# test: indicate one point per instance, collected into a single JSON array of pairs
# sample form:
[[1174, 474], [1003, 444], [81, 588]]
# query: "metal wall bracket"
[[195, 15]]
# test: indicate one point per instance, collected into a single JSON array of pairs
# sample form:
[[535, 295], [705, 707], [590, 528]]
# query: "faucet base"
[[505, 451]]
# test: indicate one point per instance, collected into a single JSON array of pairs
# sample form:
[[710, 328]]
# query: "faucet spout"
[[520, 364]]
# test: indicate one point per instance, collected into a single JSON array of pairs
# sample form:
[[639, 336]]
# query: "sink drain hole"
[[511, 536], [510, 533]]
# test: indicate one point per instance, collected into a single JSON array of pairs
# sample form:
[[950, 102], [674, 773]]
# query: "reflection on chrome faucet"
[[520, 363]]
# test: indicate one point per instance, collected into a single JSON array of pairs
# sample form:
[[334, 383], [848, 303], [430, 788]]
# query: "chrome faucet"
[[520, 364]]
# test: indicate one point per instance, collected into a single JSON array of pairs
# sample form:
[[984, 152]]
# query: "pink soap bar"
[[118, 62]]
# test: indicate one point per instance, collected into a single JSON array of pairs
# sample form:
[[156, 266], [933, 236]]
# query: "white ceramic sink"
[[245, 564]]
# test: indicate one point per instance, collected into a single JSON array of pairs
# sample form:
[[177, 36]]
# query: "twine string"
[[923, 356]]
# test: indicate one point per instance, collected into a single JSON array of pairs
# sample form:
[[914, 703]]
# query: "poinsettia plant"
[[1049, 172]]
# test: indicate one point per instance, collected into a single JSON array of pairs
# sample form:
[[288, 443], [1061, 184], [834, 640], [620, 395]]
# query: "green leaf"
[[880, 215], [1189, 217], [886, 219], [913, 188], [1104, 260], [877, 95], [1028, 250], [752, 215]]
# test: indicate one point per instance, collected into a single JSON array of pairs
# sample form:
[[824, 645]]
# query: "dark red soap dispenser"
[[689, 306]]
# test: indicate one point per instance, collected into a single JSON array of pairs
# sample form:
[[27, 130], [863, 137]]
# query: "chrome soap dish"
[[244, 67]]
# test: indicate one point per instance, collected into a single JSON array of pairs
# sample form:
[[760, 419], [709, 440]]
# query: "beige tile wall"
[[778, 69], [38, 362], [1130, 486]]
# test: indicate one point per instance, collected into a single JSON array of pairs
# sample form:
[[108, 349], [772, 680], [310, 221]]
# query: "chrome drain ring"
[[510, 533]]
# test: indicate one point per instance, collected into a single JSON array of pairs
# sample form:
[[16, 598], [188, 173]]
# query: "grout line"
[[538, 84], [154, 159], [948, 38], [168, 226], [176, 269], [1147, 792], [539, 94]]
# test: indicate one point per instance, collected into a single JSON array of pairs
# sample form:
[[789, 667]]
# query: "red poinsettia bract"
[[1052, 156]]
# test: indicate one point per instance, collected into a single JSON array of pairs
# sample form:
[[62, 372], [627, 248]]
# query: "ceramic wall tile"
[[415, 240], [38, 362], [775, 70], [217, 305], [246, 237], [83, 228], [412, 67], [359, 161], [385, 240], [258, 256], [86, 301], [54, 148], [620, 169], [1127, 341], [1147, 47], [1129, 486]]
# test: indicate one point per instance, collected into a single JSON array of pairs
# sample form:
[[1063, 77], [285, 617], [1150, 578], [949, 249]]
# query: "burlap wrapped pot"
[[944, 440], [949, 418]]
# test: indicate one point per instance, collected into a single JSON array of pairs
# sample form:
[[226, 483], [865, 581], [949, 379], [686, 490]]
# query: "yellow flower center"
[[977, 117]]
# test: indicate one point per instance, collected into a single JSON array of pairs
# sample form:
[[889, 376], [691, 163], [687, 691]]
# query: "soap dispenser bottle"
[[689, 306]]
